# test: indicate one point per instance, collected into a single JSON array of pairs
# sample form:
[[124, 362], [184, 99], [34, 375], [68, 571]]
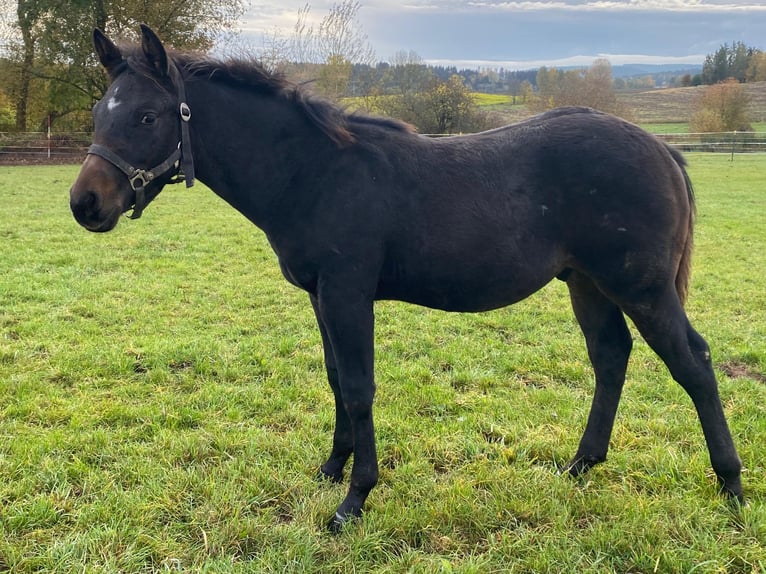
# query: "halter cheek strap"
[[180, 160]]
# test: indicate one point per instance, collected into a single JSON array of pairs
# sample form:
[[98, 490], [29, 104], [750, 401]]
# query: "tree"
[[436, 107], [722, 108], [450, 108], [53, 48], [408, 73], [526, 91], [756, 69], [591, 87], [729, 62], [340, 35], [327, 54], [334, 76]]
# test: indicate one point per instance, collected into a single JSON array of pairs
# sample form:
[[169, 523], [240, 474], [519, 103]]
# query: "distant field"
[[677, 104], [683, 127], [666, 110], [489, 100], [164, 408]]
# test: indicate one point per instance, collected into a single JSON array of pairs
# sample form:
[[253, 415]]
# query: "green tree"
[[438, 107], [450, 108], [408, 73], [729, 62], [53, 48], [334, 76]]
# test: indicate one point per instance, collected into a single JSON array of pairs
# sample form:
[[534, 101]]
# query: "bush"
[[722, 108]]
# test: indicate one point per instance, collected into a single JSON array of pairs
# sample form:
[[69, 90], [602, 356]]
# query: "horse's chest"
[[299, 274]]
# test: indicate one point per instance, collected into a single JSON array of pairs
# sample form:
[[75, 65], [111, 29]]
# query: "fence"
[[41, 147], [721, 142], [36, 147]]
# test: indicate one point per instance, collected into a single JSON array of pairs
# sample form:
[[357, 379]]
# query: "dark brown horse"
[[359, 209]]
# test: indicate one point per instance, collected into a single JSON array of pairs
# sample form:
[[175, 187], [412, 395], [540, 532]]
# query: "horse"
[[359, 208]]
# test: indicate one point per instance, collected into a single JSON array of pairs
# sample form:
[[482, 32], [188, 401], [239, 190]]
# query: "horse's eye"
[[148, 119]]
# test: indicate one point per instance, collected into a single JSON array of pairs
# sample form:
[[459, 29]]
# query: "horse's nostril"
[[86, 203], [90, 202]]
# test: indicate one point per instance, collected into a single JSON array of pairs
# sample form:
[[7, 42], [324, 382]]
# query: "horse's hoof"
[[736, 499], [338, 522], [580, 465]]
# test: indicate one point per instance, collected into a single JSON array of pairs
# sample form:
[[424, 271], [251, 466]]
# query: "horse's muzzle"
[[96, 198], [89, 211]]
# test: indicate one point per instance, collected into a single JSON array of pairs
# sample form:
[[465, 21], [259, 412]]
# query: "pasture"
[[164, 407]]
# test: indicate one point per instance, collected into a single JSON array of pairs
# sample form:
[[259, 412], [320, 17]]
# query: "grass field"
[[163, 407], [666, 110]]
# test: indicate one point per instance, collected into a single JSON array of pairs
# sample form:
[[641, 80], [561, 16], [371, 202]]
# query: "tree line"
[[48, 71], [738, 61]]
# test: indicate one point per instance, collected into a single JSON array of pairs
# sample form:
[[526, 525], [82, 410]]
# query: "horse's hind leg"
[[666, 328], [609, 344]]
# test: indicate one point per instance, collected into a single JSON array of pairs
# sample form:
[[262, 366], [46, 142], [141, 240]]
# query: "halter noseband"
[[180, 160]]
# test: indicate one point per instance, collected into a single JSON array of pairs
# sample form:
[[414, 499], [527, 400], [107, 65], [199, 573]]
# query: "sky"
[[526, 34]]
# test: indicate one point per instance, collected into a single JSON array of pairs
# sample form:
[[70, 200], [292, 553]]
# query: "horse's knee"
[[358, 403]]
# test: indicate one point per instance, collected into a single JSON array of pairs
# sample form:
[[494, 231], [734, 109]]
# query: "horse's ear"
[[154, 50], [108, 54]]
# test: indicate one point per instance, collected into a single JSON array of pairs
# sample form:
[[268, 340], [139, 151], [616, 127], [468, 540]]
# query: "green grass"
[[163, 407], [683, 127], [667, 128]]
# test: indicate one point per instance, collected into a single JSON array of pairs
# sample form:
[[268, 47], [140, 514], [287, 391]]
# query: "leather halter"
[[180, 160]]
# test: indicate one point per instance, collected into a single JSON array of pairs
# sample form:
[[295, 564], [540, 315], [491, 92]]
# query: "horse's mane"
[[250, 74]]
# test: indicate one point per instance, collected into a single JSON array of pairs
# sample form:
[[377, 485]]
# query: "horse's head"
[[137, 144]]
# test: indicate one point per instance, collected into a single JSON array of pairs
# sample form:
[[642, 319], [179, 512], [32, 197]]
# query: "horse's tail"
[[683, 276]]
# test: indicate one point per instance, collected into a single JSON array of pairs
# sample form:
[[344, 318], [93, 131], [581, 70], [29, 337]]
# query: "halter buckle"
[[140, 179]]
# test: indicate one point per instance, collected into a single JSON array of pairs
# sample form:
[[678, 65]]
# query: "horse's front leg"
[[342, 440], [348, 323]]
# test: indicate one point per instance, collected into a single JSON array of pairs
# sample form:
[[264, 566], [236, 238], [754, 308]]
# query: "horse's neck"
[[241, 149]]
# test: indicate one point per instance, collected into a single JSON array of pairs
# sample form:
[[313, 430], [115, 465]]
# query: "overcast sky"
[[528, 33]]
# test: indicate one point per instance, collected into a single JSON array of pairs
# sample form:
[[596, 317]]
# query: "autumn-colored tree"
[[591, 87], [756, 69], [722, 108]]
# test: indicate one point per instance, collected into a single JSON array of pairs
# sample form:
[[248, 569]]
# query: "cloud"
[[528, 5], [524, 31]]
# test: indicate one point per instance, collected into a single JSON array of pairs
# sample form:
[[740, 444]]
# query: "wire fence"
[[719, 142], [70, 147]]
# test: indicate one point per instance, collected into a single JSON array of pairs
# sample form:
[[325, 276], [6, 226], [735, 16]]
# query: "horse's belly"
[[465, 288]]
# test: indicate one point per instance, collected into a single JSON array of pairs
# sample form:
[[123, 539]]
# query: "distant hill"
[[636, 70], [677, 104], [658, 105]]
